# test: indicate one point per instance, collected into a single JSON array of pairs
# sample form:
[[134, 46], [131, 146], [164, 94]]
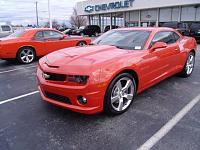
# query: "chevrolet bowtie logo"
[[89, 8], [46, 76]]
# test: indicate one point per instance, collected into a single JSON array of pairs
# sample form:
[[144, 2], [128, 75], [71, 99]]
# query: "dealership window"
[[188, 13], [148, 17], [131, 18], [197, 18], [118, 19], [94, 20]]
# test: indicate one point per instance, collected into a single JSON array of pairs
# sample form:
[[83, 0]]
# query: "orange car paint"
[[9, 46], [102, 63]]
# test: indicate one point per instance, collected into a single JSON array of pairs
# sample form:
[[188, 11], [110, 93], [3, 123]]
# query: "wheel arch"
[[29, 46], [82, 41], [132, 72], [193, 51]]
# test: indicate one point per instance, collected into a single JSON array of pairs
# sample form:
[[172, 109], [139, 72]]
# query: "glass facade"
[[147, 17]]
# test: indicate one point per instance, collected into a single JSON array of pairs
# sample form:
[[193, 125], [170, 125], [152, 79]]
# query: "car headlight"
[[80, 79]]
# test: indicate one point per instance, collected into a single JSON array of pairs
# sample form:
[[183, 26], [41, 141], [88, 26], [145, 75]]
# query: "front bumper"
[[93, 95]]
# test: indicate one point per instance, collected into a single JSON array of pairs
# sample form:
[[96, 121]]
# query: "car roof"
[[39, 29], [156, 29]]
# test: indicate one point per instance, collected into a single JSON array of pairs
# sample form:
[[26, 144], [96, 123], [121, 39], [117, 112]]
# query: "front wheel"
[[189, 65], [120, 94], [26, 55]]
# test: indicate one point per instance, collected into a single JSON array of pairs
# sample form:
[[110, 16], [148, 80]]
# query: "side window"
[[5, 28], [52, 34], [166, 36], [39, 34], [176, 37]]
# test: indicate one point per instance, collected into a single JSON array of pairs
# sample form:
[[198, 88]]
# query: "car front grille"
[[57, 97]]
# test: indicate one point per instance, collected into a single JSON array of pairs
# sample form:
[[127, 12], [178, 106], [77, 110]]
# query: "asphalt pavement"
[[28, 123]]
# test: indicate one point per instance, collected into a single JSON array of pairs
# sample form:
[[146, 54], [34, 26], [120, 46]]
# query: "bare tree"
[[77, 20], [55, 24]]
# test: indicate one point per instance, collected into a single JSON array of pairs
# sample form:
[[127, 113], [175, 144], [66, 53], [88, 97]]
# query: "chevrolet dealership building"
[[131, 13]]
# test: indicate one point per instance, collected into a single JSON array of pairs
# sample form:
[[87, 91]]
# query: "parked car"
[[195, 30], [181, 27], [26, 45], [89, 30], [62, 29], [107, 28], [68, 31], [5, 30], [121, 63]]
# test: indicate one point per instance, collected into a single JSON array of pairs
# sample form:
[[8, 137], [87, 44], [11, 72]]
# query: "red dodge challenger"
[[26, 45], [121, 63]]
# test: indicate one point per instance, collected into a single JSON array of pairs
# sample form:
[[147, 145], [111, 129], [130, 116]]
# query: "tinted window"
[[167, 37], [39, 34], [124, 39], [6, 28], [52, 34], [176, 37]]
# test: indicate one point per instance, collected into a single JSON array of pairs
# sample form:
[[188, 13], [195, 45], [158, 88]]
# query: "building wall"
[[150, 14], [137, 5]]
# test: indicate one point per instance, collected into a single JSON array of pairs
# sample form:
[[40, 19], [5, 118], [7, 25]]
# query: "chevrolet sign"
[[109, 6]]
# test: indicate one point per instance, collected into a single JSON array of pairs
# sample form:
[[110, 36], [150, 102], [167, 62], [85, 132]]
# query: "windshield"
[[17, 33], [82, 27], [124, 39]]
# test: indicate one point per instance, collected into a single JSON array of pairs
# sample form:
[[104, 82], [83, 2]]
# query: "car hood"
[[84, 56]]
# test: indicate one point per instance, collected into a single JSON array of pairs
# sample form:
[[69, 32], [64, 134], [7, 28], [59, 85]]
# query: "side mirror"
[[158, 45], [63, 37]]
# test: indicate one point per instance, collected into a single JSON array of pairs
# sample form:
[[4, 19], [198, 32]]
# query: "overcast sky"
[[23, 11]]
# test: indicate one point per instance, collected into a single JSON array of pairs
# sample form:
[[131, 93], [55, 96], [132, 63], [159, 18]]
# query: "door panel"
[[162, 62]]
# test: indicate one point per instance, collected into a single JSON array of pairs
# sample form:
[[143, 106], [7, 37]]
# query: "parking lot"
[[27, 122]]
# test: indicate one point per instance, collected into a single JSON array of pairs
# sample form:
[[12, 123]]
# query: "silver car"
[[5, 30]]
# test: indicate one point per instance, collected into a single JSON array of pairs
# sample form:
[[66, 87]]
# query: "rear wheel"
[[120, 94], [26, 55], [82, 43], [189, 65]]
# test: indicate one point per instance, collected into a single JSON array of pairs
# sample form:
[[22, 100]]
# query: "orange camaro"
[[120, 64], [26, 45]]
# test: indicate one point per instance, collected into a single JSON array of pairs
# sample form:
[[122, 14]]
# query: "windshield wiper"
[[120, 47]]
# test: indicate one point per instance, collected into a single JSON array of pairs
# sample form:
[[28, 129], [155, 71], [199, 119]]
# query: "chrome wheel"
[[81, 44], [190, 64], [26, 55], [122, 94]]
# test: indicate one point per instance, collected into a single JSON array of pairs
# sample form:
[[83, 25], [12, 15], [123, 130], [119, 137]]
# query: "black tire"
[[28, 53], [108, 106], [81, 43], [184, 73]]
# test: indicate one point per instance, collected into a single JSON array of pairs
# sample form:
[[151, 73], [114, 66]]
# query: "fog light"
[[82, 100]]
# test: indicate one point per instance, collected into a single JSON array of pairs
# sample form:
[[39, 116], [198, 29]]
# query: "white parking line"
[[18, 97], [169, 125], [16, 69]]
